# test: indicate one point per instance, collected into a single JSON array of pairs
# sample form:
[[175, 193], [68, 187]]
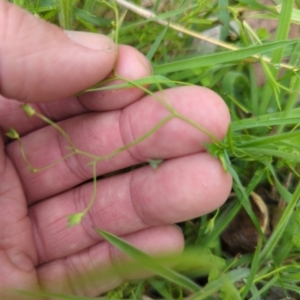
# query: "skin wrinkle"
[[12, 235], [9, 233], [76, 271], [83, 173], [45, 110], [81, 275], [12, 276], [28, 262], [49, 255], [138, 158], [66, 275], [132, 189], [72, 163], [122, 137], [20, 178], [22, 261], [106, 208], [5, 35], [140, 212], [87, 222], [140, 221], [38, 238]]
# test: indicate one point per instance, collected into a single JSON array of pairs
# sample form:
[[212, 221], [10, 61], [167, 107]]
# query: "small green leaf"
[[12, 133], [28, 109], [154, 163], [74, 219]]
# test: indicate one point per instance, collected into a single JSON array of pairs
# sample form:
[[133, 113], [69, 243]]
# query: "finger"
[[179, 189], [60, 63], [130, 65], [101, 134], [11, 114], [90, 272]]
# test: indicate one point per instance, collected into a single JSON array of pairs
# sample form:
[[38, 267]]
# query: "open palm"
[[45, 66]]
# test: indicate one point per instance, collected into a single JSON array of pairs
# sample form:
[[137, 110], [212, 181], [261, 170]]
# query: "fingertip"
[[219, 110], [131, 65], [211, 109], [180, 189], [91, 40], [125, 63]]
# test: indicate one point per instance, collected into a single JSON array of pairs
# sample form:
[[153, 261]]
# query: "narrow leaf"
[[217, 58], [149, 262]]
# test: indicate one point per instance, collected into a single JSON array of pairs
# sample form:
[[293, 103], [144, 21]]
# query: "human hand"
[[43, 65]]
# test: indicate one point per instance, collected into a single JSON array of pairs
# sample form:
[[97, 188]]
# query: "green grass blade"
[[283, 28], [66, 13], [285, 155], [270, 139], [253, 270], [269, 120], [281, 34], [91, 19], [224, 57], [157, 42], [265, 287], [148, 262], [255, 5], [224, 18]]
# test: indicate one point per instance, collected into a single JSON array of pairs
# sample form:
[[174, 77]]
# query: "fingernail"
[[92, 40]]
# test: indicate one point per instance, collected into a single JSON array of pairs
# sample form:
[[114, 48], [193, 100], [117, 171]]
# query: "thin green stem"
[[93, 198], [135, 142], [173, 111], [58, 128]]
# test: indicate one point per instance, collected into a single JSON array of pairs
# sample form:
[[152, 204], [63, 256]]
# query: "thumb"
[[40, 62]]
